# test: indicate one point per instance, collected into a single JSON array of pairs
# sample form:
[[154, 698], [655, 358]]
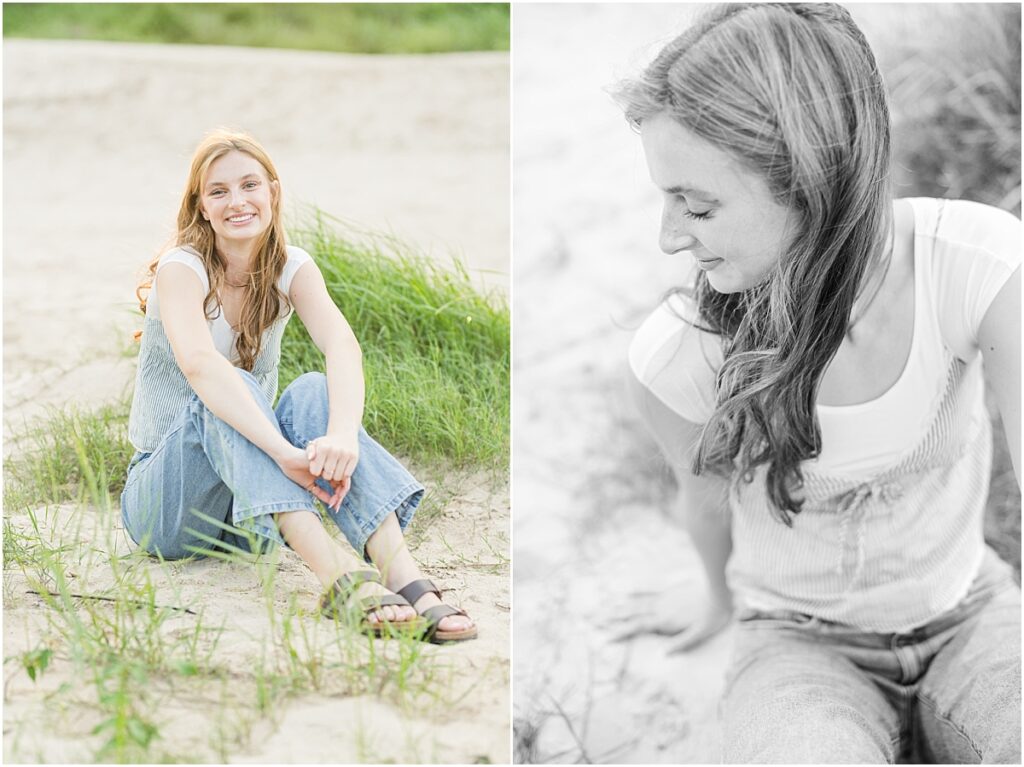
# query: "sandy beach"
[[97, 138]]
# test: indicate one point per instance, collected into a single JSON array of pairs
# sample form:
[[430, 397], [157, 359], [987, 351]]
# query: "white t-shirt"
[[224, 336]]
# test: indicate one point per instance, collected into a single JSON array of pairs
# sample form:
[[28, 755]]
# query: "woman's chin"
[[724, 283]]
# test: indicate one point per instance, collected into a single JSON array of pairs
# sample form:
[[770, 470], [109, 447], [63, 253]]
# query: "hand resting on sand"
[[713, 617]]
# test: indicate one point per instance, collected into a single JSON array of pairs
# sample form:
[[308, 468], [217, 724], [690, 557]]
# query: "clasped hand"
[[331, 458]]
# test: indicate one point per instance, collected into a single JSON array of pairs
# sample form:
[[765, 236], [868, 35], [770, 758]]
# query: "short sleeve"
[[676, 360], [296, 258], [185, 256], [976, 249]]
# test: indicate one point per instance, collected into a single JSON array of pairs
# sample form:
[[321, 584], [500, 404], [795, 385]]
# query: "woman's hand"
[[333, 456], [296, 466], [711, 620]]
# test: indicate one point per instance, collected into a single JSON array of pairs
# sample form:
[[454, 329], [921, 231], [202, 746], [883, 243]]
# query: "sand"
[[594, 542], [96, 143]]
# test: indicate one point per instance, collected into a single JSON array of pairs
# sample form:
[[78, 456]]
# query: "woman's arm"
[[335, 454], [215, 380], [701, 504], [999, 339]]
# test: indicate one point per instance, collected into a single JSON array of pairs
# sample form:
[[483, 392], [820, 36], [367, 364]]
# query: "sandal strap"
[[416, 589], [340, 592], [369, 604], [352, 581], [438, 613]]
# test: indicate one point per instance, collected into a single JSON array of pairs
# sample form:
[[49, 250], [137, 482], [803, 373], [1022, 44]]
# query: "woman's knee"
[[303, 406], [803, 729], [306, 386]]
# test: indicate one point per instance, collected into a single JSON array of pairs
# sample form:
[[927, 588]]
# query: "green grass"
[[47, 468], [435, 351], [116, 649], [339, 27]]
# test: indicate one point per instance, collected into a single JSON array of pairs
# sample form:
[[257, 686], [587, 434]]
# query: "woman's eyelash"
[[697, 216]]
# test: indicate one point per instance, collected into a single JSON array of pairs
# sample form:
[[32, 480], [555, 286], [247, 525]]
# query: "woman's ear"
[[275, 186]]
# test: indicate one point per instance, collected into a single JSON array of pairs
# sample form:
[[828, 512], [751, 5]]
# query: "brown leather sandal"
[[434, 615], [339, 602]]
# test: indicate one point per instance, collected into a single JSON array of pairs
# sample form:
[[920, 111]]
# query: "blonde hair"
[[792, 91], [264, 302]]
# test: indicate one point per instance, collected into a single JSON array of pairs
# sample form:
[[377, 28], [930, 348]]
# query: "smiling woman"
[[201, 420]]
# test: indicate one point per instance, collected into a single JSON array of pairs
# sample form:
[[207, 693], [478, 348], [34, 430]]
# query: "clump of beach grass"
[[435, 349], [955, 97]]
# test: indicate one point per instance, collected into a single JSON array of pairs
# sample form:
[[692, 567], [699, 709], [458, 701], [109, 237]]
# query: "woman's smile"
[[707, 264], [238, 198]]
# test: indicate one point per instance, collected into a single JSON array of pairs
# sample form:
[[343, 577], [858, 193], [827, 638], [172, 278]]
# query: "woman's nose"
[[237, 200], [674, 236]]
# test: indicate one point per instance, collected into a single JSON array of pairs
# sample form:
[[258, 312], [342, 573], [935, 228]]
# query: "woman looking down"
[[818, 388]]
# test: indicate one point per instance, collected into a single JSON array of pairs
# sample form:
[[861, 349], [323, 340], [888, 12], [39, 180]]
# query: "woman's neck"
[[237, 261], [874, 277]]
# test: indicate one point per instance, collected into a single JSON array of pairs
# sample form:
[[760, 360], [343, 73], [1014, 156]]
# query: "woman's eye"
[[251, 185], [697, 216]]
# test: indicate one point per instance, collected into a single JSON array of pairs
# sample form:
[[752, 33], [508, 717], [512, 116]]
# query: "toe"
[[455, 623]]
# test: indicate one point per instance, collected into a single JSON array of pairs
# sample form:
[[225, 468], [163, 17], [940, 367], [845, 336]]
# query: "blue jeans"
[[804, 690], [203, 464]]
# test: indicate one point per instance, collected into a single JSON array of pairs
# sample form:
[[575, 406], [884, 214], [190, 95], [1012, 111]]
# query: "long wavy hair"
[[264, 302], [793, 92]]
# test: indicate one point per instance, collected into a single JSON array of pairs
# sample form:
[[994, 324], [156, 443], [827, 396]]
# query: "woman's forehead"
[[233, 166], [681, 162]]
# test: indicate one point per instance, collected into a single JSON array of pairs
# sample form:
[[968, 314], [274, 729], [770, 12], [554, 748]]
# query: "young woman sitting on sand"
[[201, 417], [818, 388]]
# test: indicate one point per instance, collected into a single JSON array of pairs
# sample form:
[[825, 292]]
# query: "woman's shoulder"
[[187, 255], [677, 359], [968, 229], [972, 250], [300, 255], [296, 258]]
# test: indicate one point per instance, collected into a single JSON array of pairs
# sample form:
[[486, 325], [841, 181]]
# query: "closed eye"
[[702, 216]]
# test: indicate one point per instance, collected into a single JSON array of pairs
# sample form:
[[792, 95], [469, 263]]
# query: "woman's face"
[[722, 215], [236, 198]]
